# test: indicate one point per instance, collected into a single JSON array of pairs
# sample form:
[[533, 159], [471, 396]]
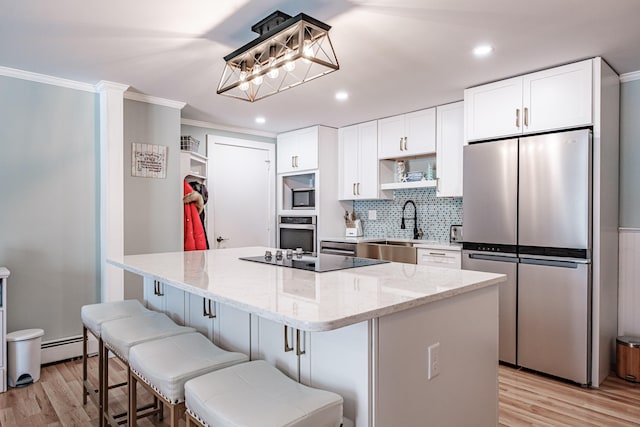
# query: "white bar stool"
[[93, 316], [163, 366], [257, 394], [119, 336]]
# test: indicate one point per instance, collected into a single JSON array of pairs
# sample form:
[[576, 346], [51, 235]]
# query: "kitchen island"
[[403, 344]]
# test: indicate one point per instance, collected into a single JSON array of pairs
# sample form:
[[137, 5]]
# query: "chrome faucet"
[[415, 219]]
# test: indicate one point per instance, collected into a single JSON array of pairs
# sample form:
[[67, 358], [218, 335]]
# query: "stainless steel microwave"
[[303, 198]]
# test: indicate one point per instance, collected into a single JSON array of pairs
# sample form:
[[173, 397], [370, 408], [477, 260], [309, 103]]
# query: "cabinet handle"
[[401, 138], [156, 288], [437, 254], [207, 313], [297, 162], [354, 188], [526, 116], [298, 351], [293, 165], [358, 189], [437, 185], [286, 340], [405, 143], [517, 117]]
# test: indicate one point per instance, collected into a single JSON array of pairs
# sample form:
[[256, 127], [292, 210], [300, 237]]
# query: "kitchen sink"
[[389, 250]]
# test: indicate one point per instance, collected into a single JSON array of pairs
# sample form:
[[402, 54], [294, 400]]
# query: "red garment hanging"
[[194, 238]]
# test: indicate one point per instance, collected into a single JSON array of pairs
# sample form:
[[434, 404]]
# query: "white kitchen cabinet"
[[225, 326], [281, 346], [449, 144], [159, 296], [298, 150], [4, 274], [440, 258], [358, 162], [406, 135], [556, 98]]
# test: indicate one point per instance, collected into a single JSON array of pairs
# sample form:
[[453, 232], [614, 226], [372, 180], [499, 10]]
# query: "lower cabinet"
[[339, 360], [440, 258], [225, 326], [166, 299]]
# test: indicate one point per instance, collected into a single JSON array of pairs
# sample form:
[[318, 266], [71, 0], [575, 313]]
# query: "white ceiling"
[[395, 55]]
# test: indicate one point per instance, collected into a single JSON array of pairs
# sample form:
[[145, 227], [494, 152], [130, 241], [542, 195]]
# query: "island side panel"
[[465, 393]]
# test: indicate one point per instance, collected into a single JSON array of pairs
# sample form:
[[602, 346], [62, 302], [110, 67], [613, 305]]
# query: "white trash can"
[[23, 357]]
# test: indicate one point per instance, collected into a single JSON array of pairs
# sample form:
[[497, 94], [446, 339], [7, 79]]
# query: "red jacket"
[[194, 238]]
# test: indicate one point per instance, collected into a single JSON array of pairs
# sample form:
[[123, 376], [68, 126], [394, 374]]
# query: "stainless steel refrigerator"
[[527, 214]]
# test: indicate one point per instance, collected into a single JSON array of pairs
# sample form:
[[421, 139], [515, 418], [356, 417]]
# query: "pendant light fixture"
[[289, 51]]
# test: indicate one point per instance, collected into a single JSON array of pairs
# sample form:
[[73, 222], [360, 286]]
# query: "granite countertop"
[[304, 299], [426, 244]]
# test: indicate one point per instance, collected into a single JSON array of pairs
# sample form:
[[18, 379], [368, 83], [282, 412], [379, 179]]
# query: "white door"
[[242, 193]]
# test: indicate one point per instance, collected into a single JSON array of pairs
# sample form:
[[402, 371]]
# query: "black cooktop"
[[319, 264]]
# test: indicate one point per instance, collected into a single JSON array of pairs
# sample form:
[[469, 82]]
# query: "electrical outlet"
[[433, 359], [373, 214]]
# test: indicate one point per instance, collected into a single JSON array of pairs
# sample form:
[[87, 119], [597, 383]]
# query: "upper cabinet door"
[[391, 137], [368, 187], [558, 98], [420, 132], [407, 135], [450, 140], [297, 150], [349, 159], [494, 110]]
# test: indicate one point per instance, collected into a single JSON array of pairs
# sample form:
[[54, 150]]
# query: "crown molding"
[[209, 125], [628, 77], [46, 79], [136, 96], [104, 85]]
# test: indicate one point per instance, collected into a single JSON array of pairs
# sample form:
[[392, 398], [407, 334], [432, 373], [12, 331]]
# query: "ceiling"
[[395, 55]]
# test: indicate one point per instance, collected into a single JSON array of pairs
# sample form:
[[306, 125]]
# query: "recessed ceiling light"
[[482, 50], [261, 120], [342, 95]]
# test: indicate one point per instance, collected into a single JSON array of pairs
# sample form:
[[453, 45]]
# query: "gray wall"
[[152, 206], [630, 154], [49, 224]]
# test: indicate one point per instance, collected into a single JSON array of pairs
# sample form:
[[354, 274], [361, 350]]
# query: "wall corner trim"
[[46, 79], [136, 96], [628, 77]]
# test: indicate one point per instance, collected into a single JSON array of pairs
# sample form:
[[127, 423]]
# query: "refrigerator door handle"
[[498, 258], [553, 262]]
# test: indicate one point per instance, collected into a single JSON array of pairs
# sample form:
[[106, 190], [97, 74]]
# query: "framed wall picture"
[[148, 160]]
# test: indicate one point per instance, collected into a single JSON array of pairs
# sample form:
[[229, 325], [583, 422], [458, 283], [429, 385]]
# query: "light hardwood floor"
[[526, 399]]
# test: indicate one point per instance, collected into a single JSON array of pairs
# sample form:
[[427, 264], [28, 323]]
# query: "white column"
[[111, 187]]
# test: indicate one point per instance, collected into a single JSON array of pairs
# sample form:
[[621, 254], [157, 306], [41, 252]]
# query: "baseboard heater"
[[66, 348]]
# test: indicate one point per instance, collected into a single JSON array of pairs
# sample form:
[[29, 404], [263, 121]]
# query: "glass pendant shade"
[[290, 51]]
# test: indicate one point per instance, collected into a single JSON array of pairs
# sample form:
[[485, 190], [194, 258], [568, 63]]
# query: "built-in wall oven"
[[298, 232]]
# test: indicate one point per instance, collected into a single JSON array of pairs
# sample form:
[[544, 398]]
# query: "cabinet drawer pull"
[[156, 288], [437, 254], [286, 340], [517, 117], [526, 116], [298, 351], [207, 313]]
